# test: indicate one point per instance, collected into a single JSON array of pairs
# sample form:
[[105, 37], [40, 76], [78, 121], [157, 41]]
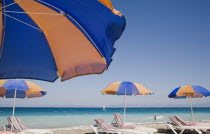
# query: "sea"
[[72, 117]]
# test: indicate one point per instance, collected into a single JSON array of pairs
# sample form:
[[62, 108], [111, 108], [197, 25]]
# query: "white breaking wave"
[[157, 117]]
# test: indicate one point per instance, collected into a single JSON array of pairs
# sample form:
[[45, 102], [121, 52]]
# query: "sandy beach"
[[161, 126]]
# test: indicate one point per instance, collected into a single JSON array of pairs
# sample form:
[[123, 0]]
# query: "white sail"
[[104, 107]]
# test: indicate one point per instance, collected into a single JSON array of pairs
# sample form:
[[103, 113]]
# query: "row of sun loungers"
[[176, 124], [119, 127]]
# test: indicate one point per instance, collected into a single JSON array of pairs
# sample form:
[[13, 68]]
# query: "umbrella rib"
[[22, 22], [3, 32], [10, 4], [32, 13], [62, 12]]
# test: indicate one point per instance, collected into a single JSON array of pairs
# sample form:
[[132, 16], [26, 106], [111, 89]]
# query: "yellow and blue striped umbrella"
[[15, 88], [20, 89], [125, 88], [47, 39], [189, 91]]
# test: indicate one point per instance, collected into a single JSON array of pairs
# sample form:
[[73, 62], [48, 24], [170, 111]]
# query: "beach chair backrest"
[[180, 120], [175, 121], [101, 123], [118, 120], [183, 121], [22, 124], [16, 123]]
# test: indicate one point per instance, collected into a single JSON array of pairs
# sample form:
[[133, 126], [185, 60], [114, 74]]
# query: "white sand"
[[88, 130]]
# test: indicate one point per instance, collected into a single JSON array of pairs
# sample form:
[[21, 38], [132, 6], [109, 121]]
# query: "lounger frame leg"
[[198, 131], [4, 128], [172, 129], [182, 131], [95, 129]]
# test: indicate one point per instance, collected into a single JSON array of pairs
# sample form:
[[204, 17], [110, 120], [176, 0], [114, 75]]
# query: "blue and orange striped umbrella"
[[125, 88], [20, 89], [15, 88], [189, 91], [47, 39]]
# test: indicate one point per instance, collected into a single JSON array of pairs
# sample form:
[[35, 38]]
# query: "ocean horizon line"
[[106, 107]]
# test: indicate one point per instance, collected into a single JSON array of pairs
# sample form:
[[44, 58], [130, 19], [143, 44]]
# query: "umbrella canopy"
[[125, 88], [189, 91], [47, 39], [22, 88]]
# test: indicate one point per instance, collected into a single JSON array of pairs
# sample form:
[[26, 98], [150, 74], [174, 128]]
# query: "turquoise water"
[[68, 117]]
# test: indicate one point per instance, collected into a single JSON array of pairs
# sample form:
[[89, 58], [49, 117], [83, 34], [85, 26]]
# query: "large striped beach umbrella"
[[125, 88], [189, 91], [47, 39], [15, 88]]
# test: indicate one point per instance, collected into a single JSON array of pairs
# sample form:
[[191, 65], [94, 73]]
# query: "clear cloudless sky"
[[166, 44]]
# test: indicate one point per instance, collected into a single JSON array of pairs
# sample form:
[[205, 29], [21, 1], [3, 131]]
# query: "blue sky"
[[166, 44]]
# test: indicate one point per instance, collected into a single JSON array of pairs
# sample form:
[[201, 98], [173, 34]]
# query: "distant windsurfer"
[[104, 107]]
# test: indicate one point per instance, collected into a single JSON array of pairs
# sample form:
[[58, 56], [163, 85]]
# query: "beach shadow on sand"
[[94, 133], [159, 132], [168, 131]]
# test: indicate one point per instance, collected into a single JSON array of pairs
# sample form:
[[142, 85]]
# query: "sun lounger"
[[102, 125], [189, 123], [17, 125], [105, 127], [118, 122], [176, 124], [183, 122]]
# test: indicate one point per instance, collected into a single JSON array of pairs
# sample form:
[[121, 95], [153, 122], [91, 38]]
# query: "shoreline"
[[161, 126]]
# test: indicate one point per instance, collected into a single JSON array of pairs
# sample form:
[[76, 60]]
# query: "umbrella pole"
[[13, 110], [192, 116], [124, 107]]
